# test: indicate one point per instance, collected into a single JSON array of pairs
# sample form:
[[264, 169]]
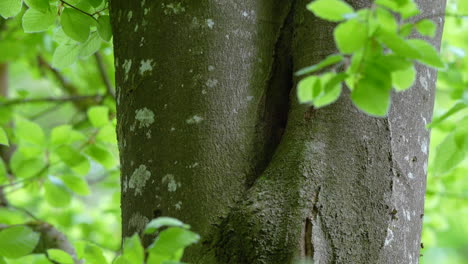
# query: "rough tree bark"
[[210, 132]]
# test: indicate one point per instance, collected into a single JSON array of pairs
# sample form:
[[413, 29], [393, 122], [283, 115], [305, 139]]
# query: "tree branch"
[[95, 97], [104, 76]]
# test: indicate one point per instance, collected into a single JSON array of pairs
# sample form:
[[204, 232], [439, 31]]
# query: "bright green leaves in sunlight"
[[10, 8], [157, 223], [39, 5], [320, 91], [91, 253], [374, 51], [76, 24], [37, 21], [332, 10], [17, 241], [98, 116], [348, 43], [328, 61], [56, 193], [452, 150], [82, 25], [426, 27], [3, 137], [168, 245], [60, 256]]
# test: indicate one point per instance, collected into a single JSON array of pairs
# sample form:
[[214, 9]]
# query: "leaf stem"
[[79, 10]]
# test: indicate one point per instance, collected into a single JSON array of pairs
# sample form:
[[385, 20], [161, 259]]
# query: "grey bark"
[[210, 132]]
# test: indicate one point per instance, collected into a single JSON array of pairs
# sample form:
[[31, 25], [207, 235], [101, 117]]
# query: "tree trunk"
[[210, 132]]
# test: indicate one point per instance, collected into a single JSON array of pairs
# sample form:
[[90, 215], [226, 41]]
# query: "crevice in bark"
[[274, 108], [309, 249], [308, 245]]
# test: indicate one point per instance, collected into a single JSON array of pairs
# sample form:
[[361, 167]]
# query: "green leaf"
[[448, 155], [98, 116], [93, 254], [372, 92], [60, 256], [159, 222], [107, 134], [348, 42], [61, 38], [121, 260], [76, 183], [94, 3], [397, 44], [406, 29], [171, 240], [56, 194], [331, 10], [3, 173], [429, 55], [76, 24], [392, 62], [39, 5], [65, 134], [426, 27], [101, 155], [330, 60], [30, 132], [90, 47], [65, 55], [17, 241], [10, 8], [455, 109], [308, 88], [133, 250], [73, 159], [24, 167], [409, 9], [37, 21], [3, 137], [403, 79], [332, 89], [386, 20], [104, 28]]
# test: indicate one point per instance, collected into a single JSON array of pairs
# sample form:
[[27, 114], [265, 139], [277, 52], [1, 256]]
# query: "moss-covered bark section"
[[202, 100]]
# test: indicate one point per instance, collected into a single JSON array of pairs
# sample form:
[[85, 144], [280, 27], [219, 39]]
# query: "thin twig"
[[96, 97], [104, 76], [25, 211], [79, 10]]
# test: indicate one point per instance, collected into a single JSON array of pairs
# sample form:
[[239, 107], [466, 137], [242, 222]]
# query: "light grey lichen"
[[172, 185], [173, 8], [178, 205], [194, 120], [145, 117], [129, 15], [138, 179], [211, 83], [127, 65], [210, 23], [146, 66], [138, 222]]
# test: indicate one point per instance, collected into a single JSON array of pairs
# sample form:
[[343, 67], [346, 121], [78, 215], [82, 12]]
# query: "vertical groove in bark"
[[274, 104]]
